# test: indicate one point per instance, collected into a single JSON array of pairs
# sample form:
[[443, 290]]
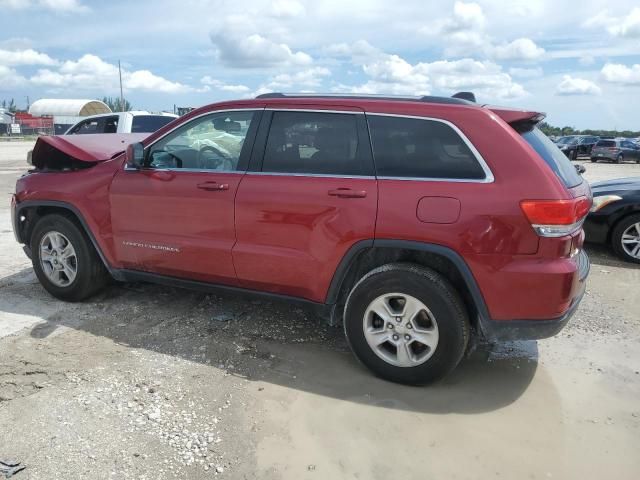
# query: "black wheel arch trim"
[[446, 252], [75, 211]]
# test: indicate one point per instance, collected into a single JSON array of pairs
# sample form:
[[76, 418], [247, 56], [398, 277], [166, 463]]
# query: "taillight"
[[556, 218], [613, 149]]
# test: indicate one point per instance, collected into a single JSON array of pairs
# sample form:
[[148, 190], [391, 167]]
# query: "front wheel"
[[625, 238], [406, 323], [65, 262], [619, 158]]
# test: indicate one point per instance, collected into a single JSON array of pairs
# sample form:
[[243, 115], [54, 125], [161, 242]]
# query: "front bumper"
[[14, 219], [500, 330]]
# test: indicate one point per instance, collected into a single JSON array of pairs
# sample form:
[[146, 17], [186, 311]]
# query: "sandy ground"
[[152, 382]]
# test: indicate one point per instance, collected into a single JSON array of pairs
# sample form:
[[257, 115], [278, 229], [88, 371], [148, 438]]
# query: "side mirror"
[[580, 169], [135, 155]]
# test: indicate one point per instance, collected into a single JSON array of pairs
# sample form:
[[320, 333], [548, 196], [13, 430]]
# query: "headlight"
[[603, 201]]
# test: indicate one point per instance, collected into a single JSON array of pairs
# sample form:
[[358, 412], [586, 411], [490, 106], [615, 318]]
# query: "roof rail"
[[457, 99]]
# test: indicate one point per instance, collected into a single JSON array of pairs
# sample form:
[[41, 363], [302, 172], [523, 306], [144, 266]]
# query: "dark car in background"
[[574, 145], [616, 150], [569, 146], [614, 218]]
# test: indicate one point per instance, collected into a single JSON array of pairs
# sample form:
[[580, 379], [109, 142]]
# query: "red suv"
[[414, 222]]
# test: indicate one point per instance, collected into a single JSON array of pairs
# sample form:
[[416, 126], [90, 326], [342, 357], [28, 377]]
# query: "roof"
[[68, 107]]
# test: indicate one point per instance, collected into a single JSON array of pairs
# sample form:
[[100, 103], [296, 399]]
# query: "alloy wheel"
[[58, 259], [400, 329], [631, 240]]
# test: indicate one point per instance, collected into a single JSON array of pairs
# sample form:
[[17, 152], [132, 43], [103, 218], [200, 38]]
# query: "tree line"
[[562, 131]]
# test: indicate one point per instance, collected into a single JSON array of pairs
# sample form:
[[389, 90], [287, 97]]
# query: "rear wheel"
[[625, 238], [594, 160], [65, 262], [406, 323], [573, 155], [619, 158]]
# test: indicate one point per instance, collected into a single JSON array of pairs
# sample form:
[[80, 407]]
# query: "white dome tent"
[[66, 112]]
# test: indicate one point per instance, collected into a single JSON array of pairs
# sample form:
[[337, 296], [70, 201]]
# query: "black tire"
[[91, 274], [619, 158], [437, 294], [616, 237], [594, 160], [573, 155]]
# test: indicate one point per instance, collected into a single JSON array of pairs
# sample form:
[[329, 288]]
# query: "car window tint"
[[213, 142], [416, 148], [149, 123], [313, 143], [553, 157], [95, 125], [606, 143], [110, 125]]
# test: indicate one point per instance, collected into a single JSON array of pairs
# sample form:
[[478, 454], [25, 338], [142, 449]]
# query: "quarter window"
[[313, 143], [214, 142], [417, 148]]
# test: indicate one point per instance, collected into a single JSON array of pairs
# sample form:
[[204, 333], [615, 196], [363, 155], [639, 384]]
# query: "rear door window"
[[553, 157], [149, 123], [313, 143], [421, 148]]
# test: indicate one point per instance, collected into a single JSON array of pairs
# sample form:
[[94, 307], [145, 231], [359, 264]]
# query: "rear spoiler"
[[518, 119]]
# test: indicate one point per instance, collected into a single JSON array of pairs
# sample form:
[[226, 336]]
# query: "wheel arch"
[[620, 215], [366, 255], [29, 212]]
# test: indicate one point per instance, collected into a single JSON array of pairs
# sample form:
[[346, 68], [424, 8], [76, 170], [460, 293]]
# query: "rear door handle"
[[213, 186], [347, 193]]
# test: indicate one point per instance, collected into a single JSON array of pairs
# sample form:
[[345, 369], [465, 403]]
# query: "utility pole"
[[121, 95], [28, 103]]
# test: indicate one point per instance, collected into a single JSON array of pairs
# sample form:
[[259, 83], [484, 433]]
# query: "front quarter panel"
[[85, 191]]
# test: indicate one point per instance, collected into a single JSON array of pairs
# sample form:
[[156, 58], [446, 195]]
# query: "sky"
[[577, 61]]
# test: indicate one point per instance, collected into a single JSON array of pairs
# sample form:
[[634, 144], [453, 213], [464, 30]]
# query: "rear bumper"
[[500, 330], [604, 156]]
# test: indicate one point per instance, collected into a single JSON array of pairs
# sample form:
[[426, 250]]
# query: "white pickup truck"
[[136, 121]]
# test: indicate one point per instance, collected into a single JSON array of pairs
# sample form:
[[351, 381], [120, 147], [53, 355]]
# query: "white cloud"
[[389, 73], [309, 78], [208, 81], [287, 8], [486, 79], [623, 26], [91, 73], [238, 45], [519, 49], [463, 32], [618, 73], [577, 86], [25, 57], [9, 78], [56, 5], [526, 72]]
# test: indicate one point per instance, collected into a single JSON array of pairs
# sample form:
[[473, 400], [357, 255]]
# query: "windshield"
[[149, 123], [563, 140], [552, 155]]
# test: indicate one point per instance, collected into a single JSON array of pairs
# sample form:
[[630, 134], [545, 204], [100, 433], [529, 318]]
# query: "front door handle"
[[213, 186], [347, 193]]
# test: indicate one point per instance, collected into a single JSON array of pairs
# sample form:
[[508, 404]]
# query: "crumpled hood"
[[82, 148]]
